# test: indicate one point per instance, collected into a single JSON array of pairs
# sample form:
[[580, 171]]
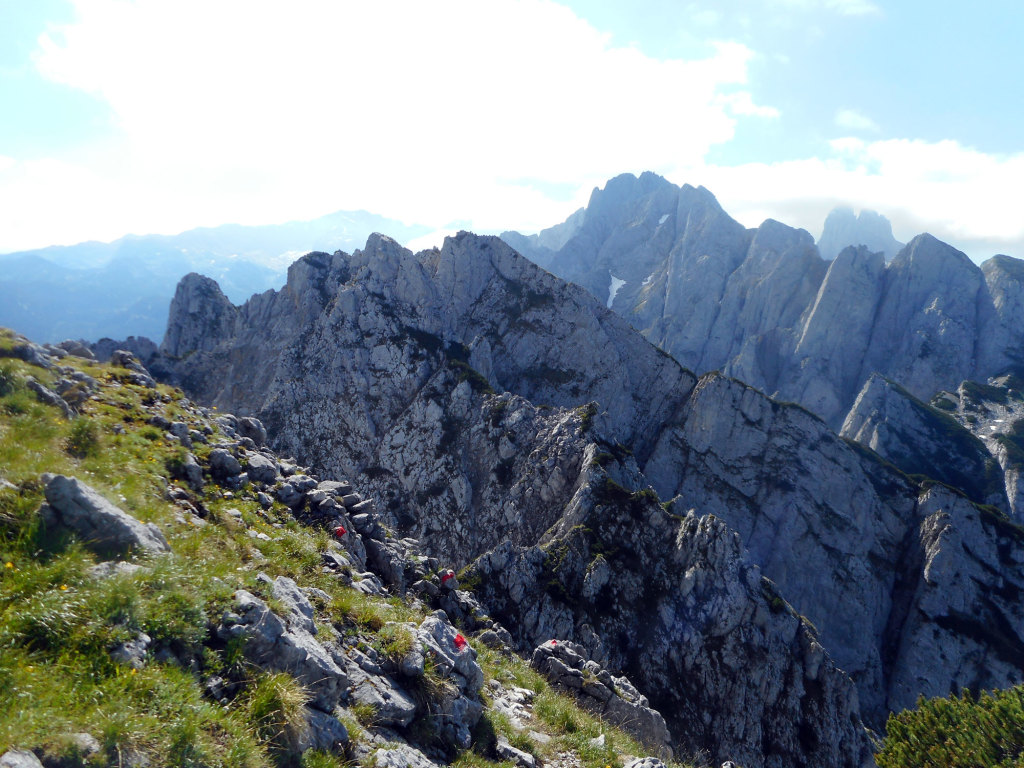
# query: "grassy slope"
[[58, 625]]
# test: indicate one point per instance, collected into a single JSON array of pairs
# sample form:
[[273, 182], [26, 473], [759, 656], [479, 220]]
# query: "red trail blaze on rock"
[[460, 641], [340, 531]]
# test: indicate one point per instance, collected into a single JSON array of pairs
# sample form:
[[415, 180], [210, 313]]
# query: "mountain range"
[[599, 492], [817, 527], [122, 288], [765, 306]]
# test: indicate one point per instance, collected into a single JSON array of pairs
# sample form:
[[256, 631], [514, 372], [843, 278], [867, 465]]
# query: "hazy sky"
[[160, 116]]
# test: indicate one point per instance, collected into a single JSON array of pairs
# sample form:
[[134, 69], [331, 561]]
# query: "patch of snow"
[[663, 218], [614, 289], [647, 280]]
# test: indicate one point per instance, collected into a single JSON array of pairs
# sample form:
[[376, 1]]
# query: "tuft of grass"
[[365, 714], [10, 381], [275, 704], [395, 641]]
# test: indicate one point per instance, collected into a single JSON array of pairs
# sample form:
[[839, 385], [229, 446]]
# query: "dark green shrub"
[[957, 732], [83, 438]]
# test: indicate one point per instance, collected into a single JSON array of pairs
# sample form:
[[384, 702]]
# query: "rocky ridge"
[[764, 306], [418, 677], [422, 371]]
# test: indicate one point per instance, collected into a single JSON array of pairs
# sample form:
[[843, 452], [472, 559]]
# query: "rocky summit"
[[767, 586], [767, 306], [844, 228]]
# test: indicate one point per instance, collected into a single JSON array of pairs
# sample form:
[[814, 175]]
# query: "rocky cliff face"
[[384, 364], [923, 440], [764, 306], [510, 420], [843, 228], [674, 600]]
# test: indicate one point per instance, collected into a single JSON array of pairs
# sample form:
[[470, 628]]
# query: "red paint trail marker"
[[340, 531], [460, 641]]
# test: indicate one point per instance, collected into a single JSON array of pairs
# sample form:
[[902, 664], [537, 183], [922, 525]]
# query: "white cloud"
[[852, 120], [241, 110], [959, 194], [742, 103]]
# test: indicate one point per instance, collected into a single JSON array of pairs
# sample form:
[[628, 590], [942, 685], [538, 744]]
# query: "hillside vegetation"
[[145, 659]]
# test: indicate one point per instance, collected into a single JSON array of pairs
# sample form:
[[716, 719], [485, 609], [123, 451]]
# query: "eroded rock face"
[[397, 354], [762, 304], [963, 591], [380, 365], [674, 603], [923, 440]]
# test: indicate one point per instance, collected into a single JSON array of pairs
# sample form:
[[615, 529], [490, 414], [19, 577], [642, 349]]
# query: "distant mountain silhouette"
[[123, 288]]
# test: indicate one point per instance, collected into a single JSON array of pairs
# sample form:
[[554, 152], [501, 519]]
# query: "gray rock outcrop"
[[614, 698], [673, 602], [921, 439], [107, 530], [285, 644]]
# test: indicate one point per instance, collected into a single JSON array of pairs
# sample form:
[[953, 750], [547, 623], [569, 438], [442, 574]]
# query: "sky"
[[158, 116]]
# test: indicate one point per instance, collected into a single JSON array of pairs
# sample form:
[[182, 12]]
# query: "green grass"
[[58, 624], [558, 715], [275, 705]]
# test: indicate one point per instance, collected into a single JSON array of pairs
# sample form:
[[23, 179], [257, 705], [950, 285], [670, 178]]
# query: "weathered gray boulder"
[[453, 659], [506, 751], [290, 496], [192, 472], [392, 706], [261, 469], [402, 756], [78, 348], [323, 732], [253, 429], [74, 506], [223, 464]]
